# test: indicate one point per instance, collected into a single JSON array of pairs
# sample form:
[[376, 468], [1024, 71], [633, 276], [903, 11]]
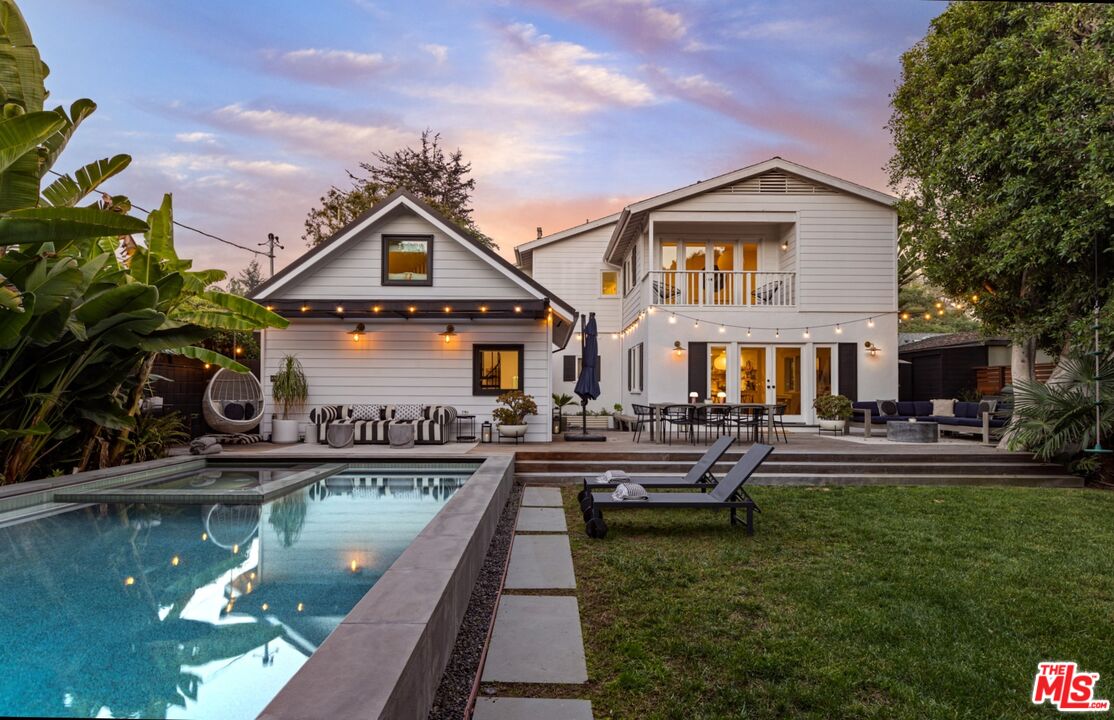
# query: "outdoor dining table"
[[659, 414]]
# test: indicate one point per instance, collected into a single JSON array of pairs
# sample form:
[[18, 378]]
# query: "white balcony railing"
[[723, 289]]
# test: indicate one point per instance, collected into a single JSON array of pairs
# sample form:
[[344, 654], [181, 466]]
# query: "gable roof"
[[523, 253], [632, 218], [403, 198]]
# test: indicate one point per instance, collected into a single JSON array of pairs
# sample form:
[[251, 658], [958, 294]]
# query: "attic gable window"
[[407, 259]]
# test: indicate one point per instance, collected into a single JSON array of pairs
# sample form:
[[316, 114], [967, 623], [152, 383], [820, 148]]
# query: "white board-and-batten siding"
[[407, 362], [355, 271]]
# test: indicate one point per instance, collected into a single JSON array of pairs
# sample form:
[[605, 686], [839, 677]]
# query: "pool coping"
[[386, 657]]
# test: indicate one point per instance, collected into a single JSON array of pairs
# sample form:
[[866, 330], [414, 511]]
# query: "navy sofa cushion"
[[906, 408], [924, 407], [883, 419], [865, 405], [966, 409]]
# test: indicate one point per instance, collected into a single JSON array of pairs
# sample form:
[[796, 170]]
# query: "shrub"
[[832, 407], [516, 407]]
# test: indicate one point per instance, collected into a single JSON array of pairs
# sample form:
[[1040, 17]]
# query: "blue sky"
[[568, 109]]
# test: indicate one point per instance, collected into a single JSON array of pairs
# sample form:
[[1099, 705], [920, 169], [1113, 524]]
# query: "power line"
[[190, 228]]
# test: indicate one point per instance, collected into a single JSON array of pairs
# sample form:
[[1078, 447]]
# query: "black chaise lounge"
[[700, 475], [728, 494]]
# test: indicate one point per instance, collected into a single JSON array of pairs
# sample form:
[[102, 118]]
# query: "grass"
[[859, 602]]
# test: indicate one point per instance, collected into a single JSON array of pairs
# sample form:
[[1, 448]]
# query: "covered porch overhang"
[[562, 321]]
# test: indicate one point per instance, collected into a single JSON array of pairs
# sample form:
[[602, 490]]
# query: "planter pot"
[[513, 431], [834, 425], [311, 435], [284, 431]]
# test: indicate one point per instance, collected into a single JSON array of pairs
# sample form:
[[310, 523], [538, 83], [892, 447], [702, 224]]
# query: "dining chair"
[[643, 416], [779, 422], [678, 418], [715, 418]]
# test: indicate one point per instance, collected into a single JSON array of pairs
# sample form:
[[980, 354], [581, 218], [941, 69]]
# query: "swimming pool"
[[195, 610]]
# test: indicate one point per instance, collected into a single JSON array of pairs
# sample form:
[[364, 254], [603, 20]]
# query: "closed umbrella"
[[587, 386]]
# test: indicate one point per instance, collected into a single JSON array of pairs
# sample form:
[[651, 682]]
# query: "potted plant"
[[833, 411], [560, 402], [512, 416], [289, 389]]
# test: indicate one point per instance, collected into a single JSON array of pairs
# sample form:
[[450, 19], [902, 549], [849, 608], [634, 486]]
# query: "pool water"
[[223, 478], [194, 611]]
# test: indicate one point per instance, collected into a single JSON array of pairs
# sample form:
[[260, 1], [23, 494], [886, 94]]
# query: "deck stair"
[[792, 467]]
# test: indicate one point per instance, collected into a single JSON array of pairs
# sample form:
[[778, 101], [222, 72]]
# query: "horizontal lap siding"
[[355, 271], [571, 269], [407, 363], [845, 245]]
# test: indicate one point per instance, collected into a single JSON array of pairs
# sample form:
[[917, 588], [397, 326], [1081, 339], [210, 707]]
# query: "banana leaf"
[[127, 329], [21, 135], [68, 191], [169, 339], [22, 71], [119, 299], [213, 358], [246, 308], [53, 281], [12, 323], [35, 226]]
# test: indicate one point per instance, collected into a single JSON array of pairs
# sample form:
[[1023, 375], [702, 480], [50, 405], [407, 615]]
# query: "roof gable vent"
[[777, 183]]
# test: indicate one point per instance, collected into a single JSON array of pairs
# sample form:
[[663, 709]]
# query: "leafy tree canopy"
[[250, 277], [439, 178], [1003, 128]]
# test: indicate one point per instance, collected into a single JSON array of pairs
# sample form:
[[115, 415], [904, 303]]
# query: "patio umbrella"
[[587, 386]]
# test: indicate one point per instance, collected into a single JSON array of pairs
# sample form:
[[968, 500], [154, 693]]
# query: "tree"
[[922, 307], [247, 281], [1004, 155], [440, 179]]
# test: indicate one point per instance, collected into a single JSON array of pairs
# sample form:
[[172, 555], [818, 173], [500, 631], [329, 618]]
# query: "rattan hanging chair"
[[231, 394]]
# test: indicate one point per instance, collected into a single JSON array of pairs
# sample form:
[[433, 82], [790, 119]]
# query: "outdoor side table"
[[401, 435], [468, 420], [912, 432], [340, 435]]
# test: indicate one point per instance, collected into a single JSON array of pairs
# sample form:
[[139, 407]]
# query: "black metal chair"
[[679, 418], [779, 423], [643, 415], [753, 421], [713, 417]]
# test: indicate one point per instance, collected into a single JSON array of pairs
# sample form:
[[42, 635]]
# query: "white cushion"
[[943, 408]]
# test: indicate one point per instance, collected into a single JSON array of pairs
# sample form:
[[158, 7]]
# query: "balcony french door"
[[719, 274]]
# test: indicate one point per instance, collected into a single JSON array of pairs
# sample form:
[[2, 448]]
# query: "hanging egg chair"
[[233, 402]]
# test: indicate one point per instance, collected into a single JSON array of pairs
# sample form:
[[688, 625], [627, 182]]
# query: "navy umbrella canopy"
[[587, 387]]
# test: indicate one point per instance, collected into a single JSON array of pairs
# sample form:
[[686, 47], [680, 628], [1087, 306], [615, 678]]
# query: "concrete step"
[[781, 465], [800, 479], [690, 455]]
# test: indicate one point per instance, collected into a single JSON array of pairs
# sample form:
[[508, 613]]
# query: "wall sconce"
[[871, 348], [357, 333], [449, 334], [677, 349], [485, 432]]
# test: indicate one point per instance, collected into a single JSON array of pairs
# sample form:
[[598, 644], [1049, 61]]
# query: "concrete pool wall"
[[386, 657]]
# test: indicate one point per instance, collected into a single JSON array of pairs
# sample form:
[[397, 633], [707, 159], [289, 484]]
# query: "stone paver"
[[536, 639], [531, 709], [541, 497], [541, 562], [536, 519]]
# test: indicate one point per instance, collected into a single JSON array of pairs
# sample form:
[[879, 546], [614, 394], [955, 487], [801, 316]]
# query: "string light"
[[673, 319], [748, 332], [806, 334], [777, 332], [870, 323], [696, 323], [723, 328], [837, 326], [839, 330]]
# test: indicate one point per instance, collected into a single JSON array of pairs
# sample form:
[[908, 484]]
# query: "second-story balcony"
[[717, 288]]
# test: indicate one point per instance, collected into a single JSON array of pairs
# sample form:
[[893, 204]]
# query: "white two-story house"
[[773, 283]]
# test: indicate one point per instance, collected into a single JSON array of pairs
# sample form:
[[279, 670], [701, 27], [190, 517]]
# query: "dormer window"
[[407, 260]]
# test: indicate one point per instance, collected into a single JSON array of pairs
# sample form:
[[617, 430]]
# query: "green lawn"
[[860, 602]]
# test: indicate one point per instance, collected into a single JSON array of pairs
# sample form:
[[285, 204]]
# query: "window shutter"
[[570, 368], [698, 369], [849, 370]]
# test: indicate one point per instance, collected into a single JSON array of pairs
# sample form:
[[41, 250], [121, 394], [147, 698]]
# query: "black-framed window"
[[497, 369], [407, 260]]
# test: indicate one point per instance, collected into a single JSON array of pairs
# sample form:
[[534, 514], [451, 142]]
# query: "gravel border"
[[451, 700]]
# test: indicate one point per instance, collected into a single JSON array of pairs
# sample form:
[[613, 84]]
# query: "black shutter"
[[570, 368], [849, 370], [698, 370], [599, 368]]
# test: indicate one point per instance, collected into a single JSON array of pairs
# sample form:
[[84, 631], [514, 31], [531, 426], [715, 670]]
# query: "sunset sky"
[[568, 109]]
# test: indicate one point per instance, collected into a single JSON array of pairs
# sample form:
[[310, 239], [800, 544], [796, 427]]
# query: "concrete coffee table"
[[912, 432], [401, 435]]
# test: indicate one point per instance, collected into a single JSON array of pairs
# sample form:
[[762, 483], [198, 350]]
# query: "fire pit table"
[[912, 432]]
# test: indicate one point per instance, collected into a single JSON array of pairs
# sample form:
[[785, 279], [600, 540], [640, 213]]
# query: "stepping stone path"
[[537, 637]]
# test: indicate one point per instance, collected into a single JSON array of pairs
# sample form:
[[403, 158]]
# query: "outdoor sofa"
[[433, 424], [971, 418]]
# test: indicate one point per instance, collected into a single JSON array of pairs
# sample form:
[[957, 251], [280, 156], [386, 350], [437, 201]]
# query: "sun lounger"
[[698, 475], [728, 494]]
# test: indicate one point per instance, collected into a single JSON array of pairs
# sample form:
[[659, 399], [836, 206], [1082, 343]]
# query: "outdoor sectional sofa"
[[970, 418], [433, 423]]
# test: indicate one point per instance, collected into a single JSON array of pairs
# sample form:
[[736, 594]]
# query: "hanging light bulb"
[[652, 309], [696, 323], [673, 318], [928, 316], [870, 322], [839, 330], [806, 335], [723, 328], [748, 332], [614, 336], [304, 308], [777, 332], [340, 309]]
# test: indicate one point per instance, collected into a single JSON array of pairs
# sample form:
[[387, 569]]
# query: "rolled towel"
[[211, 450], [611, 476], [203, 442]]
